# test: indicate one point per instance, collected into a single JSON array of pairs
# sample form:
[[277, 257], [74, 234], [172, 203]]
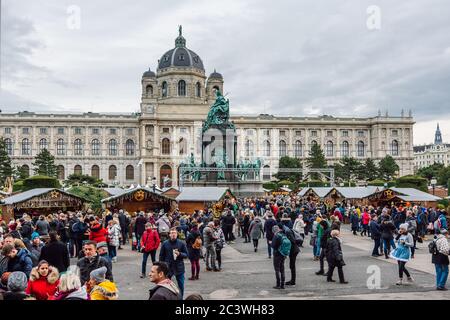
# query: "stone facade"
[[427, 155], [175, 101]]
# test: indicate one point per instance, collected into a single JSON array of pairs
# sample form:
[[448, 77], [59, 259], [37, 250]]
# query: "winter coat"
[[98, 233], [26, 230], [374, 230], [193, 254], [42, 288], [365, 218], [208, 236], [123, 221], [276, 243], [334, 253], [256, 229], [105, 290], [150, 240], [42, 227], [21, 262], [354, 220], [229, 220], [163, 224], [412, 225], [246, 223], [140, 225], [387, 229], [56, 254], [324, 239], [86, 266], [165, 290], [268, 225], [114, 234], [78, 229], [299, 226], [403, 251], [79, 294], [176, 267], [442, 246]]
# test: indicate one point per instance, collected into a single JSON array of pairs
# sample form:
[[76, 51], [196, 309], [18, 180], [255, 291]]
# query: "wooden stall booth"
[[39, 201], [402, 196], [138, 199], [199, 198]]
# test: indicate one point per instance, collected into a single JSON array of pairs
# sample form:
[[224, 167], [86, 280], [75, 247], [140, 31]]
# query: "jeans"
[[441, 275], [210, 257], [278, 264], [138, 239], [180, 282], [112, 251], [387, 245], [376, 248], [269, 248], [145, 255], [317, 248], [219, 257]]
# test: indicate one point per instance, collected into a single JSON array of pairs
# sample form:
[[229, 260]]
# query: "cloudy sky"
[[287, 57]]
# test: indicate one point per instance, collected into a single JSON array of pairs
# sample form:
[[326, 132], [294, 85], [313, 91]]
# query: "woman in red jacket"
[[365, 219], [149, 244], [44, 280], [98, 233]]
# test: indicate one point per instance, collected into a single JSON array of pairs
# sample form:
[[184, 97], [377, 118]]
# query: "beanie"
[[34, 235], [102, 245], [99, 275]]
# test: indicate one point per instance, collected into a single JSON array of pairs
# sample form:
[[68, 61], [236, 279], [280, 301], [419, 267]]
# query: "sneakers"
[[399, 282], [142, 276], [289, 283], [279, 287], [410, 280], [441, 289], [320, 272]]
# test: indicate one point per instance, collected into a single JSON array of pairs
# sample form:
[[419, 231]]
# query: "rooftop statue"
[[219, 114]]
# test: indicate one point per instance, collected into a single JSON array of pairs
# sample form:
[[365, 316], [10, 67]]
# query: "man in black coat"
[[55, 253], [139, 228], [92, 261], [228, 221], [335, 257], [268, 225], [295, 250], [172, 252], [124, 223], [376, 235], [165, 289]]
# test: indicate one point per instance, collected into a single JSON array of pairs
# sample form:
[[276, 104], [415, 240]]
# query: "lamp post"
[[433, 184]]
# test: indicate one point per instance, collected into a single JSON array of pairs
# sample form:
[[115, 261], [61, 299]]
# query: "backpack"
[[285, 247], [432, 247], [197, 243]]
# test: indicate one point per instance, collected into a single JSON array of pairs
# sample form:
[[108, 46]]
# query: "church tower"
[[438, 136]]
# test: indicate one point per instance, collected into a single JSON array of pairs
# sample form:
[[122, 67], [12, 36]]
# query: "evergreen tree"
[[6, 169], [44, 164], [387, 168], [316, 160], [369, 170], [289, 163]]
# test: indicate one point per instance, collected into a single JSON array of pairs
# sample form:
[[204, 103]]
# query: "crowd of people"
[[36, 249]]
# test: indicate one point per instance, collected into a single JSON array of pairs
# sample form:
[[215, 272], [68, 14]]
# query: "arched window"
[[95, 172], [164, 89], [95, 147], [25, 171], [383, 146], [60, 147], [166, 176], [330, 149], [181, 88], [394, 148], [165, 146], [182, 144], [266, 148], [149, 90], [129, 173], [298, 149], [43, 144], [283, 148], [9, 146], [78, 147], [345, 152], [112, 172], [215, 88], [198, 90], [361, 150], [60, 172], [77, 170], [266, 172], [26, 148], [249, 148], [112, 147], [129, 147]]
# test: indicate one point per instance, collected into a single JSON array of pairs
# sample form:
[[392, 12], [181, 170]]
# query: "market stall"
[[39, 201], [199, 198], [138, 199], [402, 196]]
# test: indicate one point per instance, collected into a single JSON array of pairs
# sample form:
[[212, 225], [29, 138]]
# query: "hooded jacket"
[[56, 254], [42, 287], [86, 266], [165, 290], [105, 290], [150, 240], [98, 233], [21, 262]]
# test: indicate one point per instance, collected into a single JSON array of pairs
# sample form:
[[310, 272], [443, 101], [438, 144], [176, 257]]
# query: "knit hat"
[[17, 281], [404, 226], [34, 235], [102, 245], [99, 275]]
